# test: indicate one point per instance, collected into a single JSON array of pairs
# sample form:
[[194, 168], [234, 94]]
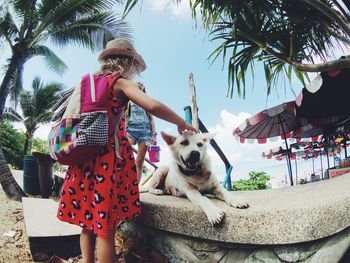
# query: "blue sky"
[[172, 48]]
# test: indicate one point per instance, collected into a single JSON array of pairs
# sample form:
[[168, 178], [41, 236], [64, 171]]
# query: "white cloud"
[[244, 157], [179, 10]]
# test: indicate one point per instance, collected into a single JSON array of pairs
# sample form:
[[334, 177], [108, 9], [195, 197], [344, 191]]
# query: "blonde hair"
[[127, 66]]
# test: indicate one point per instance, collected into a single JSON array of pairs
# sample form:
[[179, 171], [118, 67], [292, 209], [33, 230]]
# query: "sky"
[[172, 47]]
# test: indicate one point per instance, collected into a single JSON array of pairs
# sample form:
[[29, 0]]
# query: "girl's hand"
[[184, 126], [154, 139]]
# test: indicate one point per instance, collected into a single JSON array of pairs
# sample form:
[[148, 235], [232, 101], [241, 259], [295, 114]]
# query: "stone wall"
[[178, 248]]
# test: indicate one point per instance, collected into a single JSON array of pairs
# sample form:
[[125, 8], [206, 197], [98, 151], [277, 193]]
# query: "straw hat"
[[120, 46]]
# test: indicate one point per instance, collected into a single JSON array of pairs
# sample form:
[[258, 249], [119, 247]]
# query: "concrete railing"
[[299, 220]]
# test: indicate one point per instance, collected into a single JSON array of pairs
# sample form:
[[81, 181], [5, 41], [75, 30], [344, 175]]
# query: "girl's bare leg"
[[105, 248], [141, 153], [87, 246]]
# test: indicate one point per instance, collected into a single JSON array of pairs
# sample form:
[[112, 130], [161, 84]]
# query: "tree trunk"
[[8, 182], [7, 81], [26, 144]]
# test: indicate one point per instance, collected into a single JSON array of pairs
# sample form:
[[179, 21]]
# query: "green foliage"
[[275, 34], [36, 107], [12, 142], [39, 145], [27, 26], [256, 181]]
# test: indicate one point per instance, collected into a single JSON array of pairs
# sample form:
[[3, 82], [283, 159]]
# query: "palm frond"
[[69, 13], [92, 32], [45, 97], [271, 31], [46, 6], [52, 60], [44, 118], [130, 4], [21, 7], [8, 28], [17, 86], [25, 101], [36, 84], [11, 115]]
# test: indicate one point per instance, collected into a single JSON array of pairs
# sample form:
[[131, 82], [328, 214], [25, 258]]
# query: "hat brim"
[[116, 51]]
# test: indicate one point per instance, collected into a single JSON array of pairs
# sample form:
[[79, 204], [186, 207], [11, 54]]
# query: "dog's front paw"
[[238, 202], [156, 191], [215, 215]]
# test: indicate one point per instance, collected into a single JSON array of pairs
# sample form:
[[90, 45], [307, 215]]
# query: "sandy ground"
[[15, 247]]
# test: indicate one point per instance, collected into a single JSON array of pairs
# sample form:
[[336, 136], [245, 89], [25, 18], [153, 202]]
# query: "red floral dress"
[[103, 192]]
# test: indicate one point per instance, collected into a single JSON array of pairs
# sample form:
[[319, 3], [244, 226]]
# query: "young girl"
[[141, 129], [101, 193]]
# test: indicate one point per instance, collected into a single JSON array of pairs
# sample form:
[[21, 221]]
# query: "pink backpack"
[[80, 123]]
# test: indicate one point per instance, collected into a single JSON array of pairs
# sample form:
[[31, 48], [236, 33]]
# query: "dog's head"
[[188, 149]]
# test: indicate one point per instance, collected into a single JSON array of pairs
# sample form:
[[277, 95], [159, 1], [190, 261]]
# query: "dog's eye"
[[185, 142], [200, 144]]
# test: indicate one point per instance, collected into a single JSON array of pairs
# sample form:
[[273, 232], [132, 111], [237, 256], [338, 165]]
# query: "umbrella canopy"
[[327, 95], [274, 152], [277, 121], [282, 121]]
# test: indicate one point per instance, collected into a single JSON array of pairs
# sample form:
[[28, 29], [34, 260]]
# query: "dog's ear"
[[169, 139], [208, 136]]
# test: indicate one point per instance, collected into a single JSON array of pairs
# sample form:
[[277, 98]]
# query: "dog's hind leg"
[[157, 181]]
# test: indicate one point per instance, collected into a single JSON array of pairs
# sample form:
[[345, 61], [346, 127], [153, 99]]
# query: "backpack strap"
[[111, 78], [128, 111]]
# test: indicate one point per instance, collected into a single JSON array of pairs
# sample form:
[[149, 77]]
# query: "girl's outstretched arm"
[[129, 89]]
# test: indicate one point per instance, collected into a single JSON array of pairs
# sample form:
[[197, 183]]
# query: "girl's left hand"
[[154, 139], [184, 126]]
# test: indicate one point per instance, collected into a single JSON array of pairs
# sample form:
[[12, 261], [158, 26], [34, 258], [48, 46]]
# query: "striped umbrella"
[[276, 121]]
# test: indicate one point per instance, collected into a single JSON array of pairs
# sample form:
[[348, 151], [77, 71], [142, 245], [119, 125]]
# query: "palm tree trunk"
[[26, 144], [7, 81], [8, 182]]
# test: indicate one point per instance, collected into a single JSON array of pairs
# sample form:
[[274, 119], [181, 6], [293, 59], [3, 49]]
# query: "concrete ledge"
[[46, 234], [282, 216], [40, 219]]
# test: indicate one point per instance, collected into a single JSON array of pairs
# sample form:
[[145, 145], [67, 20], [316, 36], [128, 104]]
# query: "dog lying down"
[[190, 175]]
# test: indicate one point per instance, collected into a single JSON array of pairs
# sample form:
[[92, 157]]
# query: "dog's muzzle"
[[192, 161]]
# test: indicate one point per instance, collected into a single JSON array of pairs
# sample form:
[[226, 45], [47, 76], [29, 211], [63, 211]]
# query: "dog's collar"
[[188, 172]]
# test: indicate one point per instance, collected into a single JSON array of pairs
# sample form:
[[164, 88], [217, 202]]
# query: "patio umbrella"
[[327, 95], [279, 153], [276, 121]]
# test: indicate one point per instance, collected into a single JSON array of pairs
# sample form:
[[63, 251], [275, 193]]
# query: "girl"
[[141, 129], [101, 193]]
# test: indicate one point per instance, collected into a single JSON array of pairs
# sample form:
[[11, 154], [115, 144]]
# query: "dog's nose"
[[194, 157]]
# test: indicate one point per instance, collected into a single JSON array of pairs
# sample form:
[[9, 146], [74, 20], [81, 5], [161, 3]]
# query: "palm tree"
[[36, 107], [87, 23], [283, 36], [27, 25]]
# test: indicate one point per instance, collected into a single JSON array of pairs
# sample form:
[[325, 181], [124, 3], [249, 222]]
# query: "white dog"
[[190, 175]]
